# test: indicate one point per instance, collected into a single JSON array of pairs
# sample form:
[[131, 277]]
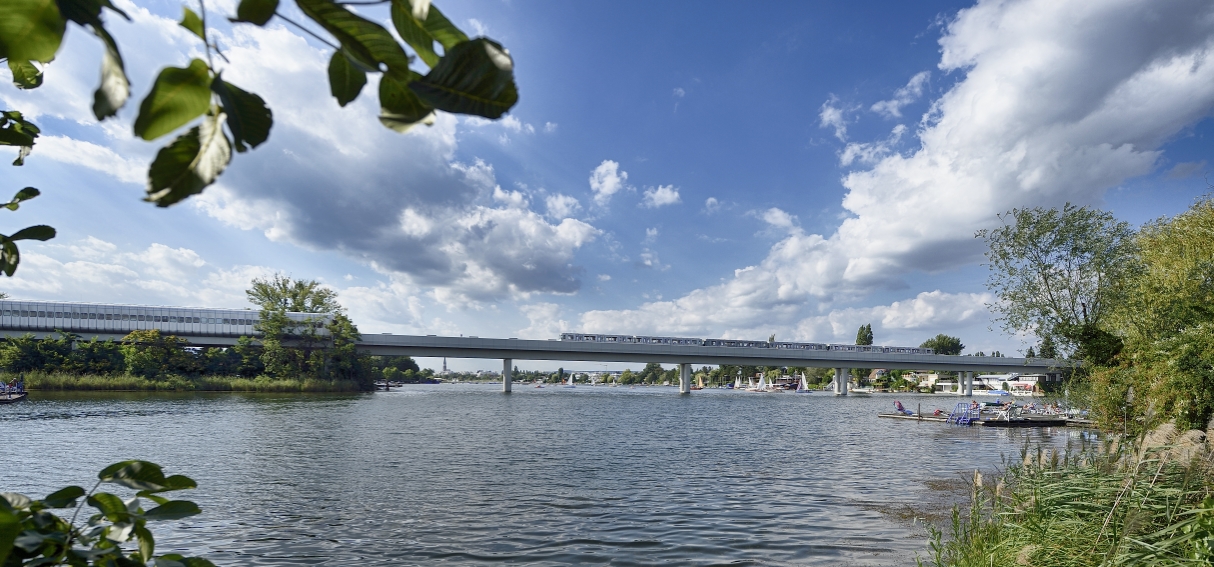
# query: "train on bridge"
[[631, 339], [83, 318]]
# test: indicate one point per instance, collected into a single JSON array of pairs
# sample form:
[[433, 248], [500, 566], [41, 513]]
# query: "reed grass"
[[1114, 504], [56, 381]]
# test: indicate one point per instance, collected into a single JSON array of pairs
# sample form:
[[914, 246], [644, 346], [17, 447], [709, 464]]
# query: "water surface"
[[462, 474]]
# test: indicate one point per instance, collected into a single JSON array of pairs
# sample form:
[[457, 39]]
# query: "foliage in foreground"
[[31, 533], [1107, 506]]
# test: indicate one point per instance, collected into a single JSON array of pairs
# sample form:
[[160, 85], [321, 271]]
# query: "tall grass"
[[1116, 504], [74, 382]]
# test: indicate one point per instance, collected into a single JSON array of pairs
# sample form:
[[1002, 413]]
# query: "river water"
[[463, 474]]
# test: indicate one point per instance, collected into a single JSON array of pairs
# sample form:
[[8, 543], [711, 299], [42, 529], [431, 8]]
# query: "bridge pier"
[[841, 381], [507, 376], [684, 378], [969, 384]]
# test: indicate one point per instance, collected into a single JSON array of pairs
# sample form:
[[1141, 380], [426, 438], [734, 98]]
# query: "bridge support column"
[[507, 376], [841, 381], [969, 383], [684, 378]]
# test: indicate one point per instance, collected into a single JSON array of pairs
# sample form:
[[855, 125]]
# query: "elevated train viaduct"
[[222, 327]]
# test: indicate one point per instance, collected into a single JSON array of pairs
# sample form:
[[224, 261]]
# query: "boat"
[[803, 387], [13, 393], [699, 382], [569, 384]]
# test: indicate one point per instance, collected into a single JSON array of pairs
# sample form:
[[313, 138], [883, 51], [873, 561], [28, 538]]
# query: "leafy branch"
[[470, 76], [32, 534]]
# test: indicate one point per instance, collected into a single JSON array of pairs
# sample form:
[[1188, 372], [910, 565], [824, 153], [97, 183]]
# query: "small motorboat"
[[13, 397]]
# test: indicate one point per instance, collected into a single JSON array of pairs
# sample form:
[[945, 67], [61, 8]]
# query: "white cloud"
[[892, 108], [98, 158], [868, 153], [1060, 101], [514, 124], [606, 180], [92, 269], [650, 259], [832, 116], [545, 321], [711, 205], [679, 92], [479, 29], [651, 234], [512, 199], [604, 277], [562, 206], [778, 218], [550, 127], [660, 196]]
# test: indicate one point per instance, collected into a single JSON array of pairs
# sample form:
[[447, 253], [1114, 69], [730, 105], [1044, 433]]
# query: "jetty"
[[991, 416]]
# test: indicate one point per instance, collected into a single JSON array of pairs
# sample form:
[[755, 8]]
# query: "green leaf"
[[9, 257], [15, 130], [413, 31], [172, 510], [37, 232], [22, 195], [87, 12], [400, 107], [110, 506], [345, 79], [188, 165], [249, 119], [147, 543], [10, 526], [367, 41], [191, 21], [25, 74], [30, 30], [474, 77], [178, 482], [139, 475], [442, 30], [115, 88], [255, 11], [177, 97], [16, 501], [64, 497]]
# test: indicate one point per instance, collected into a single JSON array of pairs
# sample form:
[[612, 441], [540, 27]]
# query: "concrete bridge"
[[222, 327]]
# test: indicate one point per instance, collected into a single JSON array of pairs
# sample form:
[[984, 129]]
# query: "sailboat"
[[737, 383], [761, 387], [569, 384], [803, 387], [699, 382]]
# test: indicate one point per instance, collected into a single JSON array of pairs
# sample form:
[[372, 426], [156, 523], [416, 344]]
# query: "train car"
[[801, 346], [85, 318], [736, 343]]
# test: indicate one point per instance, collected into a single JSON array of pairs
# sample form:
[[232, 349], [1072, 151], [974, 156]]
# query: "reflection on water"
[[463, 474]]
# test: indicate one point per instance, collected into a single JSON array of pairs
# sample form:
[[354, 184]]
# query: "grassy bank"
[[73, 382], [1144, 503]]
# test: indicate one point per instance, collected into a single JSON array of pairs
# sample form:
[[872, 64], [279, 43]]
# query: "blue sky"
[[677, 168]]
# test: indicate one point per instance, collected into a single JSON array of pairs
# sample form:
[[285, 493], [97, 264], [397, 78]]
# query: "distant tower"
[[444, 365]]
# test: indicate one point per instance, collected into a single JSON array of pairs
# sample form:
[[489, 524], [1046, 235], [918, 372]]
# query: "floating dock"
[[1022, 421]]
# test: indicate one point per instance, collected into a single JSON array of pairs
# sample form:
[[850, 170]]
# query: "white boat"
[[803, 387]]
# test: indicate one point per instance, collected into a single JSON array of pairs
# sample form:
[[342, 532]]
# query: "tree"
[[472, 76], [149, 354], [944, 344], [864, 336], [1047, 348], [282, 293], [1057, 273]]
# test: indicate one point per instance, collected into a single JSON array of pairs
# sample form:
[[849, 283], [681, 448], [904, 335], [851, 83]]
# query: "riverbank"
[[54, 381], [1147, 502]]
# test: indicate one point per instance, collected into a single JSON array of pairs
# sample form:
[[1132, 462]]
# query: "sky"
[[679, 168]]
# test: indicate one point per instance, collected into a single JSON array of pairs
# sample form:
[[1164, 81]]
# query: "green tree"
[[864, 336], [149, 354], [944, 344], [282, 293], [1057, 273], [472, 76], [1047, 348]]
